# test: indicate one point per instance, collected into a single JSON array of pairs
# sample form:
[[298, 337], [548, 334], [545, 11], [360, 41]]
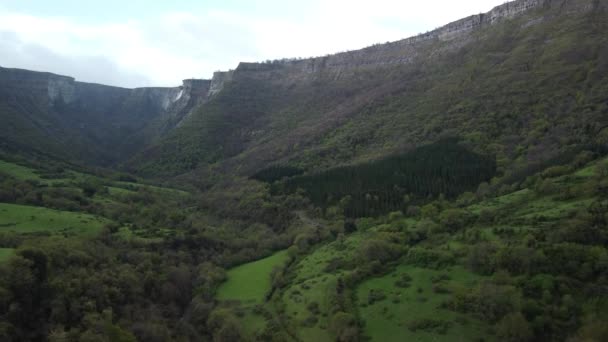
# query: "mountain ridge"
[[277, 113], [121, 124]]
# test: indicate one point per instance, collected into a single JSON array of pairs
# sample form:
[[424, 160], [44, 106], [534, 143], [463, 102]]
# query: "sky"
[[137, 43]]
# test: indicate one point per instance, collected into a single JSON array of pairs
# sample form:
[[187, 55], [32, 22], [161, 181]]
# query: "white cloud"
[[178, 45]]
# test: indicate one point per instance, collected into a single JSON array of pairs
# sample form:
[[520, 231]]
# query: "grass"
[[387, 319], [28, 219], [551, 209], [5, 253], [498, 203], [128, 186], [26, 173], [249, 283], [18, 171], [313, 283], [117, 191], [143, 235]]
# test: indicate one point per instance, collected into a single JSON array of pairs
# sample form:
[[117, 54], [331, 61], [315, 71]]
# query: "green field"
[[387, 319], [128, 186], [18, 171], [27, 219], [27, 173], [249, 283], [5, 253]]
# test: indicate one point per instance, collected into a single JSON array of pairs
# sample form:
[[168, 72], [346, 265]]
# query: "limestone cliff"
[[453, 35], [116, 121]]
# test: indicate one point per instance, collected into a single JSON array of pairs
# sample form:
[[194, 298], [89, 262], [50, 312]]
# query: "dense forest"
[[443, 168]]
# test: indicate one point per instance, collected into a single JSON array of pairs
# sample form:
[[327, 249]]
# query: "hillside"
[[506, 82], [524, 264], [525, 65]]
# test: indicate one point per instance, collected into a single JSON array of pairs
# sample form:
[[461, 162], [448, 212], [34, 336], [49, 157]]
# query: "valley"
[[451, 186]]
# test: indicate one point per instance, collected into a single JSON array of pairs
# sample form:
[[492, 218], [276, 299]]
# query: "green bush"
[[430, 325]]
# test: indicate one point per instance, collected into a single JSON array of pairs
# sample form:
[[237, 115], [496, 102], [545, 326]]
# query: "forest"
[[390, 184]]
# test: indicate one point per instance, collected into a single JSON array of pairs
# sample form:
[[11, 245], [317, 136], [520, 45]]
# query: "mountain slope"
[[96, 124], [524, 82]]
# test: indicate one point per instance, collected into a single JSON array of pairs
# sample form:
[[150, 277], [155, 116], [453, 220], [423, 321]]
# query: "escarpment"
[[441, 40], [114, 122], [267, 112]]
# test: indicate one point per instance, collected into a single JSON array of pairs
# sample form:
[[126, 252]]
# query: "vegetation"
[[463, 196], [257, 276], [80, 254], [5, 253], [393, 183]]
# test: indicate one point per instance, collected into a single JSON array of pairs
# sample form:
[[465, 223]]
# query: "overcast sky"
[[134, 43]]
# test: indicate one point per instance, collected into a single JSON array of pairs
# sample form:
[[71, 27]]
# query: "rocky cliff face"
[[361, 104], [57, 90], [112, 119], [453, 35]]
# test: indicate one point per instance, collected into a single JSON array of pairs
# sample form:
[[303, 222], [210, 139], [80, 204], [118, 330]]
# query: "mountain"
[[507, 82], [451, 186], [96, 124]]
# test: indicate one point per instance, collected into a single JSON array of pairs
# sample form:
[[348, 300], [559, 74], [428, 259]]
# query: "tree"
[[91, 186], [545, 187], [514, 328], [208, 278], [224, 326], [229, 332], [344, 326], [412, 210], [378, 250], [483, 190], [28, 288], [453, 220], [349, 226], [481, 259], [429, 211]]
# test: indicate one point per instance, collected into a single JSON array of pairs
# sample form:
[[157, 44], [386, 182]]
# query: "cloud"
[[175, 45], [98, 69]]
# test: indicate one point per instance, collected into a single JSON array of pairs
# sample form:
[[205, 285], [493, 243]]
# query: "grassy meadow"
[[250, 283], [28, 219]]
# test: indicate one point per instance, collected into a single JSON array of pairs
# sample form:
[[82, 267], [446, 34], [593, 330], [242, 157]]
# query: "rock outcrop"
[[56, 90], [116, 121], [453, 35]]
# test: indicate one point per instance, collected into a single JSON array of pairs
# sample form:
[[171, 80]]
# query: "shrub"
[[395, 216], [453, 220], [555, 171], [344, 326], [481, 259], [429, 258], [404, 281], [375, 295], [441, 289], [487, 216], [412, 211], [545, 187], [313, 307], [489, 301], [514, 327], [583, 158], [429, 325], [378, 250], [310, 321]]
